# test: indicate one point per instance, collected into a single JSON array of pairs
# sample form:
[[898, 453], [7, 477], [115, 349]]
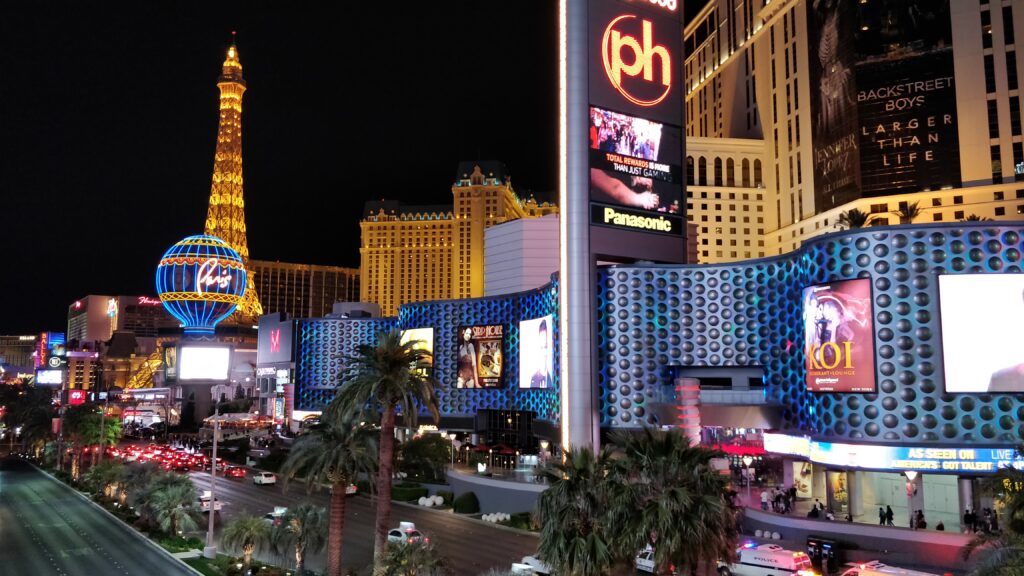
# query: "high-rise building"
[[94, 318], [303, 290], [798, 112], [225, 218], [418, 253], [16, 355]]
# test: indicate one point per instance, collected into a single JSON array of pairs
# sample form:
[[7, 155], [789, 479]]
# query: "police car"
[[767, 560], [876, 568]]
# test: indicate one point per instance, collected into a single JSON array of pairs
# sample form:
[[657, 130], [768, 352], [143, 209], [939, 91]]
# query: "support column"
[[965, 488], [854, 494], [788, 478], [818, 484]]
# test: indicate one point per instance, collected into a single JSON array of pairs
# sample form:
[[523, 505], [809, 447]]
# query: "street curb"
[[119, 521], [468, 518]]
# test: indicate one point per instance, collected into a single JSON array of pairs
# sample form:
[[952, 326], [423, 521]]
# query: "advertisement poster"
[[536, 361], [837, 489], [803, 472], [424, 338], [480, 357], [839, 337], [981, 346]]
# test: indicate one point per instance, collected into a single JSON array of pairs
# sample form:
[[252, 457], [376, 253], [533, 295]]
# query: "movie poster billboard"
[[480, 358], [424, 340], [981, 315], [834, 127], [839, 345], [536, 358], [635, 114]]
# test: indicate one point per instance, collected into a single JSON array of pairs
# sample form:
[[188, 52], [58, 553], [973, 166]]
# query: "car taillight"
[[410, 540]]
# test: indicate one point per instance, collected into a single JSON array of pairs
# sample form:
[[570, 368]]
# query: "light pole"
[[103, 422], [211, 547], [747, 460], [911, 475]]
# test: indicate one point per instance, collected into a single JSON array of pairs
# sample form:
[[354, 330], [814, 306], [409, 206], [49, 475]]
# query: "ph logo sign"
[[638, 68]]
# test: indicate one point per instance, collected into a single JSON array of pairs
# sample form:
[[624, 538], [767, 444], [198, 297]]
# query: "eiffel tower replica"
[[225, 218]]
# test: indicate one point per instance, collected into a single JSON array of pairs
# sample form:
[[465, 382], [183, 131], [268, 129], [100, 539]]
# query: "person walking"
[[881, 516], [764, 500], [888, 515]]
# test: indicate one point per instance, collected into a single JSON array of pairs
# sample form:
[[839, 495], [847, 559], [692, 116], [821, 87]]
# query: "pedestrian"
[[764, 500], [881, 516], [818, 505], [968, 520], [792, 494], [888, 515]]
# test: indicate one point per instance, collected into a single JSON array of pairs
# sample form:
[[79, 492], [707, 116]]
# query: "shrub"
[[408, 491], [521, 520], [448, 496], [181, 544], [466, 503]]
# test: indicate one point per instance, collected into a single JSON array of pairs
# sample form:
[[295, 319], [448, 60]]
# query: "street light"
[[211, 547], [911, 475], [747, 461]]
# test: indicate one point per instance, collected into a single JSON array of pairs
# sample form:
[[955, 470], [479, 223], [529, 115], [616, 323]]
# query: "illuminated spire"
[[226, 215]]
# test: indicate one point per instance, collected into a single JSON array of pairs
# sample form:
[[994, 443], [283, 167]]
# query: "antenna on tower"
[[234, 34]]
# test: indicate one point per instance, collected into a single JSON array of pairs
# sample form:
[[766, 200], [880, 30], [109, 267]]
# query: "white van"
[[767, 560], [876, 568]]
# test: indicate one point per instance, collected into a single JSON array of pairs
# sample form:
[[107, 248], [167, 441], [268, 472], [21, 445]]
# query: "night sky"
[[108, 119]]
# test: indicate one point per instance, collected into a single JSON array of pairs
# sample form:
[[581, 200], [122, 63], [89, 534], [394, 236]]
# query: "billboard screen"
[[274, 340], [49, 377], [980, 315], [480, 358], [536, 360], [425, 336], [76, 397], [204, 363], [51, 351], [839, 346], [635, 139]]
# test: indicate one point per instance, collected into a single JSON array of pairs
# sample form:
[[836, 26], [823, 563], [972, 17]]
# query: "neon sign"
[[112, 307], [275, 340], [643, 53], [147, 301], [205, 277]]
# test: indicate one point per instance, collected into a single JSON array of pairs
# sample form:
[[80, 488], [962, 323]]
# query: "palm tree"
[[574, 537], [175, 508], [247, 533], [302, 529], [136, 478], [416, 559], [164, 482], [104, 477], [664, 493], [389, 376], [907, 212], [1005, 549], [854, 218], [335, 452], [976, 218]]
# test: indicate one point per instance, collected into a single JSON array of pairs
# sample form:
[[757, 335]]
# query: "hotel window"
[[1007, 25], [997, 165], [1000, 211], [1015, 117], [993, 119], [937, 217], [986, 29], [1011, 70], [990, 74], [959, 214], [936, 201]]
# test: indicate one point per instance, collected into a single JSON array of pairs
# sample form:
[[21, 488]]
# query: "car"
[[235, 472], [204, 503], [765, 560], [350, 490], [644, 562], [536, 564], [277, 516], [406, 533], [264, 478], [876, 568]]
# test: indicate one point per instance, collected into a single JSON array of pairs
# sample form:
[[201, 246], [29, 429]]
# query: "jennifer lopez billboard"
[[839, 337]]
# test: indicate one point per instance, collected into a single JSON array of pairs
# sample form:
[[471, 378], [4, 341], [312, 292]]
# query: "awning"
[[749, 416]]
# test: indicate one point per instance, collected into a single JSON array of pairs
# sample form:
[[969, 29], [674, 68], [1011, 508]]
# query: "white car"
[[876, 568], [536, 564], [645, 561], [204, 503], [406, 533], [274, 518], [767, 560], [264, 478]]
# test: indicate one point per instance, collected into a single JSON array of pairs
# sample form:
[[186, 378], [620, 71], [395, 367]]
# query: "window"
[[990, 74], [718, 171], [1011, 70], [689, 169], [986, 29], [997, 195], [936, 201], [1007, 25], [730, 173], [1020, 209], [997, 165], [702, 172], [937, 217], [959, 214], [993, 119], [879, 208], [1000, 211], [745, 170], [1015, 118]]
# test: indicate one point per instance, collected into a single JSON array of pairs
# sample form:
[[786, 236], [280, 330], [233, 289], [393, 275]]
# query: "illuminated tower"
[[225, 218]]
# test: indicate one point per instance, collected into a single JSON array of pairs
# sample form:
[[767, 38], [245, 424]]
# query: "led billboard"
[[204, 362], [536, 359], [839, 344], [424, 338], [480, 357], [51, 351], [49, 377], [274, 339], [980, 316]]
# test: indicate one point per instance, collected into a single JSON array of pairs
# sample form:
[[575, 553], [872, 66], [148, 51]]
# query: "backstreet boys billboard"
[[481, 357], [981, 315], [906, 98], [885, 108], [839, 345], [635, 139]]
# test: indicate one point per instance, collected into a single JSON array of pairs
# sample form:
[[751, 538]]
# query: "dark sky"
[[108, 118]]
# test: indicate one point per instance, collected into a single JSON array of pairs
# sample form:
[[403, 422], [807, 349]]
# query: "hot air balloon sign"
[[201, 280]]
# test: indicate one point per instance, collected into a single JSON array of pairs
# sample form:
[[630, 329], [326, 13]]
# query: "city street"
[[46, 529], [470, 546]]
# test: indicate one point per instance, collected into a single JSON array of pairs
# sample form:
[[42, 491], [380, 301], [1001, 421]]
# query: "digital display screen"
[[480, 357], [425, 336], [536, 357], [49, 377], [204, 363], [980, 315], [839, 344]]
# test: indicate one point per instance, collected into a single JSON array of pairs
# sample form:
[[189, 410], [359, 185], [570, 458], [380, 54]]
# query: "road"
[[471, 547], [45, 528]]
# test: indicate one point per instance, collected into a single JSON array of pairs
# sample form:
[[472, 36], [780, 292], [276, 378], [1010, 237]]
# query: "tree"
[[664, 493], [388, 377], [148, 505], [854, 218], [30, 408], [302, 529], [247, 533], [976, 218], [174, 507], [416, 559], [907, 212], [336, 452], [1004, 550], [425, 457], [574, 539], [136, 478], [104, 477]]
